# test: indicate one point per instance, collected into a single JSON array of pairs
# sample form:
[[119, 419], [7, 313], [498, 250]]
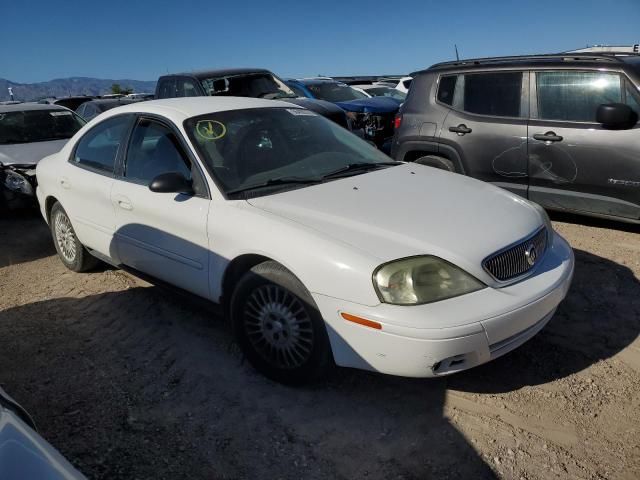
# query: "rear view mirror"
[[171, 182], [615, 115]]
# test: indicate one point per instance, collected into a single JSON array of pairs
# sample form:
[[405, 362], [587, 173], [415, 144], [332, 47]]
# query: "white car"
[[319, 246]]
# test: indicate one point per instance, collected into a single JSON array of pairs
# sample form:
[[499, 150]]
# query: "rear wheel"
[[436, 162], [72, 253], [278, 325]]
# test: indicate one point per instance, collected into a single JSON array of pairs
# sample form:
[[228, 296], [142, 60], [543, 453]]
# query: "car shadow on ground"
[[599, 318], [24, 236], [577, 219], [140, 382]]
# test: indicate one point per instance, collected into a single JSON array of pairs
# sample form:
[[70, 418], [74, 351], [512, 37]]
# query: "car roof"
[[222, 72], [314, 81], [179, 109], [553, 60], [20, 107], [110, 101]]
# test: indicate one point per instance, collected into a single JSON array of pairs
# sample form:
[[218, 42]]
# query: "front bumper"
[[20, 195], [452, 335]]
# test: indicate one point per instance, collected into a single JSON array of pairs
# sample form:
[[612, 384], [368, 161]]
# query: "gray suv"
[[561, 130]]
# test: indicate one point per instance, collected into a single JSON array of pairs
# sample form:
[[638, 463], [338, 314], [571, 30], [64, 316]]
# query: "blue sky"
[[42, 40]]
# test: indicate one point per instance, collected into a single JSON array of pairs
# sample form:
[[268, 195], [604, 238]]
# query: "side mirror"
[[221, 85], [171, 182], [615, 115]]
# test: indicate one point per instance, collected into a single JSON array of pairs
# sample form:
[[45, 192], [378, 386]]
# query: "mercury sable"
[[321, 249]]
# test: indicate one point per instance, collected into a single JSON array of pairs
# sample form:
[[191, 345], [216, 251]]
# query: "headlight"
[[417, 280], [17, 183]]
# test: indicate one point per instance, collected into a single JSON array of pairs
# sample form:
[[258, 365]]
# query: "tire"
[[436, 162], [278, 326], [71, 252]]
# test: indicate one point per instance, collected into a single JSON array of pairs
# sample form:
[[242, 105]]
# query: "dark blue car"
[[374, 116]]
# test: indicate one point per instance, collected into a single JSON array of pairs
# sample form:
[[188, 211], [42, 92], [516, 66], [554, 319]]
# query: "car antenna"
[[457, 56]]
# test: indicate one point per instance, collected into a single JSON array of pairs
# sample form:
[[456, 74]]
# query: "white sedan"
[[321, 249]]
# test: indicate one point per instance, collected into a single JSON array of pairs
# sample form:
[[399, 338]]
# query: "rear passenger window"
[[497, 94], [446, 89], [575, 96], [99, 147]]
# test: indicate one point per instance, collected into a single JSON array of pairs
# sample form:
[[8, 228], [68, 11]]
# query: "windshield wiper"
[[276, 181], [356, 167]]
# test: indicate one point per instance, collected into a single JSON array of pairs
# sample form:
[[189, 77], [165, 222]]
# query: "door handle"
[[64, 183], [123, 202], [125, 205], [460, 129], [548, 137]]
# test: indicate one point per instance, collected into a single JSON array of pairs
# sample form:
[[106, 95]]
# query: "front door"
[[575, 163], [161, 234], [487, 125]]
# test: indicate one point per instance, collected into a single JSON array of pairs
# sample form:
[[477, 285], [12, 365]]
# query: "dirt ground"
[[130, 381]]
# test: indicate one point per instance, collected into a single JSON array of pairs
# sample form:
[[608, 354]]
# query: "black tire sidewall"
[[436, 162], [320, 359]]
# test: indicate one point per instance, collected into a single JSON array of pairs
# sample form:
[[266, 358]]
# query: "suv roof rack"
[[565, 57]]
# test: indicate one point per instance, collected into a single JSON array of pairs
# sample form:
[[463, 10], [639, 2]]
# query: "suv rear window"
[[496, 94], [446, 89]]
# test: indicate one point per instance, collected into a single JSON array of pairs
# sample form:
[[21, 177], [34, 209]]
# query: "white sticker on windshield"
[[300, 111], [59, 114]]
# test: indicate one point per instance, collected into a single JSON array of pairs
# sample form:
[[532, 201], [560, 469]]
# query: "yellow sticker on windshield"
[[210, 129]]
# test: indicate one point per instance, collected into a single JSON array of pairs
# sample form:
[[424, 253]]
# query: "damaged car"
[[243, 82], [372, 117], [28, 133]]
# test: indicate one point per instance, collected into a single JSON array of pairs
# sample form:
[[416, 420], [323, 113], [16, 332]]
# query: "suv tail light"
[[397, 121]]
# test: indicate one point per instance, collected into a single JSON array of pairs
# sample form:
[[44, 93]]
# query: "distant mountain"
[[64, 87]]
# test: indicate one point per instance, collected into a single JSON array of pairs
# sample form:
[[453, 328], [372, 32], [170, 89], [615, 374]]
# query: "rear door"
[[575, 163], [161, 234], [487, 125], [87, 179]]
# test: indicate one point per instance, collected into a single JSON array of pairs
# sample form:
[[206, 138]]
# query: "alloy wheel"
[[278, 326]]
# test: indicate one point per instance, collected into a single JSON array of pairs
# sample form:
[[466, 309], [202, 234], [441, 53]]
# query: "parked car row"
[[324, 250]]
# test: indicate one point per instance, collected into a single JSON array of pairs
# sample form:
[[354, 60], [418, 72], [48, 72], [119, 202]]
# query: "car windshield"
[[335, 92], [28, 126], [387, 92], [255, 85], [286, 147]]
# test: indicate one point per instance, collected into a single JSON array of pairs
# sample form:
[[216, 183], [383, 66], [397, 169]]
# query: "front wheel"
[[72, 253], [278, 325]]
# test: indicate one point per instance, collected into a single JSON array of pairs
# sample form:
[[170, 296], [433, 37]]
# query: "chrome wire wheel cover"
[[278, 326], [65, 237]]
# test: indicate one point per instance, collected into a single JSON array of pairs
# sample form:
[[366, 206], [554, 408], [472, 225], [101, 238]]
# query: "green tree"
[[117, 89]]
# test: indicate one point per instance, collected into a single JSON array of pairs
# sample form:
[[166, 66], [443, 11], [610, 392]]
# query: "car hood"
[[411, 210], [370, 105], [319, 106], [29, 153]]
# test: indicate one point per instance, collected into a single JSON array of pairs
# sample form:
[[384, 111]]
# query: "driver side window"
[[154, 149]]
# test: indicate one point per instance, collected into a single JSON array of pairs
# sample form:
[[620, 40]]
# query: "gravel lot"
[[130, 381]]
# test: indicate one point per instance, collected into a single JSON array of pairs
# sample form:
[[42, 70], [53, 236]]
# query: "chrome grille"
[[518, 259]]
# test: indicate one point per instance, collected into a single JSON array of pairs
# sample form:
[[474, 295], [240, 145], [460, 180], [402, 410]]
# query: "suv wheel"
[[278, 325], [436, 162], [72, 253]]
